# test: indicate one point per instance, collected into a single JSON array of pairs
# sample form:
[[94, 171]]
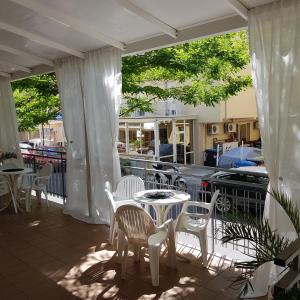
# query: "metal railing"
[[237, 198], [242, 193], [36, 158]]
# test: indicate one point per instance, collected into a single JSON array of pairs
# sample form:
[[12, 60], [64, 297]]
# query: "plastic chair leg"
[[124, 260], [112, 230], [46, 196], [120, 246], [14, 203], [203, 244], [137, 253], [154, 252], [28, 200]]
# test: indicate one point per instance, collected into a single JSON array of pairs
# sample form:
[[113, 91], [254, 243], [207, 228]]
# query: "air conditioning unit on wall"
[[213, 129], [229, 127]]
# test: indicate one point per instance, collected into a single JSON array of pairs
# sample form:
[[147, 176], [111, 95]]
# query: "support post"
[[156, 139], [127, 138], [174, 141]]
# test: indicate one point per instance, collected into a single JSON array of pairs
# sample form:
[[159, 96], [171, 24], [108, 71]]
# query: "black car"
[[239, 190]]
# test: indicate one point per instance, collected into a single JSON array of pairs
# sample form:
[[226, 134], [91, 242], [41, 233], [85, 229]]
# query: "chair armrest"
[[40, 180], [157, 238], [196, 204]]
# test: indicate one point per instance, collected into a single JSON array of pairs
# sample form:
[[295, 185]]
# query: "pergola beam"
[[214, 27], [40, 39], [3, 74], [239, 8], [26, 55], [14, 66], [167, 29], [74, 23]]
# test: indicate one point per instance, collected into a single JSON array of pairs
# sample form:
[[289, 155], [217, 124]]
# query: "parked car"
[[242, 191], [54, 155], [26, 150], [241, 156]]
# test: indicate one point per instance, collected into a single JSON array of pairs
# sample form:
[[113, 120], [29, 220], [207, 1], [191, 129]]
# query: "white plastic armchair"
[[113, 205], [128, 186], [37, 182], [196, 223], [5, 189], [136, 227]]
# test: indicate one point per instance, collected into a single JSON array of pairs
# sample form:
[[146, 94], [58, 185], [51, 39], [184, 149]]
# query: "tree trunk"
[[43, 135]]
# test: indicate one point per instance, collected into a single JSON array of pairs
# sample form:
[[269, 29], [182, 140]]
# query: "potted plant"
[[266, 242]]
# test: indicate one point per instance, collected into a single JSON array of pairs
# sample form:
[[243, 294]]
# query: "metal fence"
[[36, 158], [242, 198], [242, 193]]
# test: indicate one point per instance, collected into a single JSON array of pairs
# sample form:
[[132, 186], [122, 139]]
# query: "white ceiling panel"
[[38, 27], [185, 13], [108, 16], [254, 3]]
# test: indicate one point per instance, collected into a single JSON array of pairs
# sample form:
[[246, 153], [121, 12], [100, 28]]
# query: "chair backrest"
[[46, 170], [128, 186], [208, 206], [107, 186], [110, 200], [12, 163], [212, 203], [136, 223]]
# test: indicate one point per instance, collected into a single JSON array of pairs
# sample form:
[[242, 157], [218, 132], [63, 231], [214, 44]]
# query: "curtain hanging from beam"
[[274, 32], [90, 91]]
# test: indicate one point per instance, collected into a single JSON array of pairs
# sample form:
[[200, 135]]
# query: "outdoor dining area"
[[113, 238], [47, 254]]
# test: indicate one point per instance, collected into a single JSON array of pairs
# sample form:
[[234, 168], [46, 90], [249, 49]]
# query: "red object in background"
[[204, 184]]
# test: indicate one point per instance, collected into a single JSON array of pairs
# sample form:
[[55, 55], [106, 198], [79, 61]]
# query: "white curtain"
[[90, 91], [8, 120], [274, 32]]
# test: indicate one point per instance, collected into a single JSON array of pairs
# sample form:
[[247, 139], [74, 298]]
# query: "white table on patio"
[[13, 175], [161, 200]]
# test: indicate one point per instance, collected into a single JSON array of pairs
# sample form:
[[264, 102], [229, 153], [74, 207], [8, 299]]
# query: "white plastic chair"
[[114, 205], [196, 223], [12, 163], [5, 189], [137, 228], [128, 186], [37, 182]]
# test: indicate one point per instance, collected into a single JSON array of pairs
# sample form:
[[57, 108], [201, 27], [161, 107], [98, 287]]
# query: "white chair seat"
[[193, 224]]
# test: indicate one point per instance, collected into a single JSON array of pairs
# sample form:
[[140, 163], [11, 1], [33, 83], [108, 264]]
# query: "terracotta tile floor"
[[48, 255]]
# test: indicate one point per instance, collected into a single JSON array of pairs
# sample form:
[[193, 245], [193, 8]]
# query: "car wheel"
[[223, 204]]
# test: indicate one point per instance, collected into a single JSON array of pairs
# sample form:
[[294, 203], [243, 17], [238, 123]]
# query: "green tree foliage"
[[206, 72], [36, 99]]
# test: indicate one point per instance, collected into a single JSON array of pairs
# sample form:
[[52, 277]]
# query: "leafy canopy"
[[205, 72], [36, 99]]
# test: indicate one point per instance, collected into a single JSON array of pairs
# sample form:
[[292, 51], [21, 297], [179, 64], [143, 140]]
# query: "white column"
[[8, 121], [127, 138], [174, 140], [156, 139]]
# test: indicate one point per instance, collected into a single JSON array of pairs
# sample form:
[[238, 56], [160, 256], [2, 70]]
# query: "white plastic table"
[[161, 205], [12, 175]]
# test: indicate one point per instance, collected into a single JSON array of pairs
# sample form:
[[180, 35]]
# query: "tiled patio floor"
[[47, 255]]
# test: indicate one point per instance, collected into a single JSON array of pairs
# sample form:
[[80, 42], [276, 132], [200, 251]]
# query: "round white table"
[[161, 200], [12, 175]]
